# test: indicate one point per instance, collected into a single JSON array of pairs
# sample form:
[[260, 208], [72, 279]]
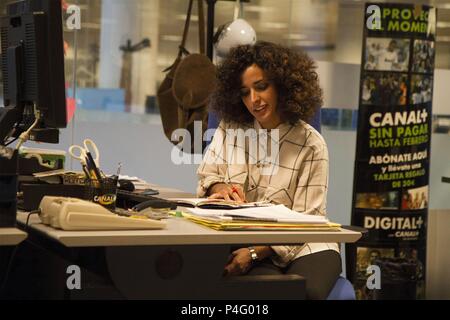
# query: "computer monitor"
[[32, 63]]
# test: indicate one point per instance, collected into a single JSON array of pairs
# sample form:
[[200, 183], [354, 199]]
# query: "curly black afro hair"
[[292, 73]]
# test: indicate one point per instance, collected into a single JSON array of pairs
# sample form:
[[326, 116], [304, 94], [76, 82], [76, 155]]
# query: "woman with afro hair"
[[269, 93]]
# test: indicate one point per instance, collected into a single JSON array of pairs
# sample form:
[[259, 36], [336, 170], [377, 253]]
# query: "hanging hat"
[[194, 81]]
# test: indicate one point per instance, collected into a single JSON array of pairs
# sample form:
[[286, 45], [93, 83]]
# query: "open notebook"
[[206, 203]]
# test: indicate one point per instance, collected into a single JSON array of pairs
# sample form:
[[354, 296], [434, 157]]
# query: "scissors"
[[80, 153], [89, 157]]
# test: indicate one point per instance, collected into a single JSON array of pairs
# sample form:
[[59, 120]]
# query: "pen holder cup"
[[103, 192]]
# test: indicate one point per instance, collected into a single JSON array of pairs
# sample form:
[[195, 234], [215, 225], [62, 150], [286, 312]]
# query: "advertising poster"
[[391, 176]]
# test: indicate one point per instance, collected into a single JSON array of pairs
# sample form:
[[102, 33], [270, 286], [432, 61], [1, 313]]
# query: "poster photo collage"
[[388, 85]]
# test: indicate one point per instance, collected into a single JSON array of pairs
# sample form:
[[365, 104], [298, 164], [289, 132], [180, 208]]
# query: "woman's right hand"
[[227, 192]]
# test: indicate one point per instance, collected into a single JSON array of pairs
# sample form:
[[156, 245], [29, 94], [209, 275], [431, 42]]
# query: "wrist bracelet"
[[253, 254]]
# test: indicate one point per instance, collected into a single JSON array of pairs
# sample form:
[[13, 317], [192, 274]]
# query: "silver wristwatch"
[[253, 254]]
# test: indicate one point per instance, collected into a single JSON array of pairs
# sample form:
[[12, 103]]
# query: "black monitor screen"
[[33, 60]]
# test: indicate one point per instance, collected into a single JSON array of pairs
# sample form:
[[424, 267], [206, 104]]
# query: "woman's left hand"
[[240, 263]]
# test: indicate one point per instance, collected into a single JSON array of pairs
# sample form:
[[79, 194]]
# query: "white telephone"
[[76, 214]]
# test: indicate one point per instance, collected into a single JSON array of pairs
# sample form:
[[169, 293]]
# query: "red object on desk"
[[71, 106]]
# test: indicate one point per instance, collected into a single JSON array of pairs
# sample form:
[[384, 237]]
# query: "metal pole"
[[210, 28]]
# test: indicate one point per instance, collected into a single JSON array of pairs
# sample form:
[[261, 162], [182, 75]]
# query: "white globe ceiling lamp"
[[232, 34]]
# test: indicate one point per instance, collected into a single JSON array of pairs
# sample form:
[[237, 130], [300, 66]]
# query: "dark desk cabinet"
[[45, 271]]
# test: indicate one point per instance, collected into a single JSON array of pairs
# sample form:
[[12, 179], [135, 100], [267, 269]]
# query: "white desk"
[[185, 260], [183, 232], [11, 236]]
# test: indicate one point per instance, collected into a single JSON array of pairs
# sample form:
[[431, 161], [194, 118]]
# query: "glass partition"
[[122, 47]]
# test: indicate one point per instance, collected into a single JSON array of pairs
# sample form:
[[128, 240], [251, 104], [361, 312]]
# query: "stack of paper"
[[276, 217], [139, 184]]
